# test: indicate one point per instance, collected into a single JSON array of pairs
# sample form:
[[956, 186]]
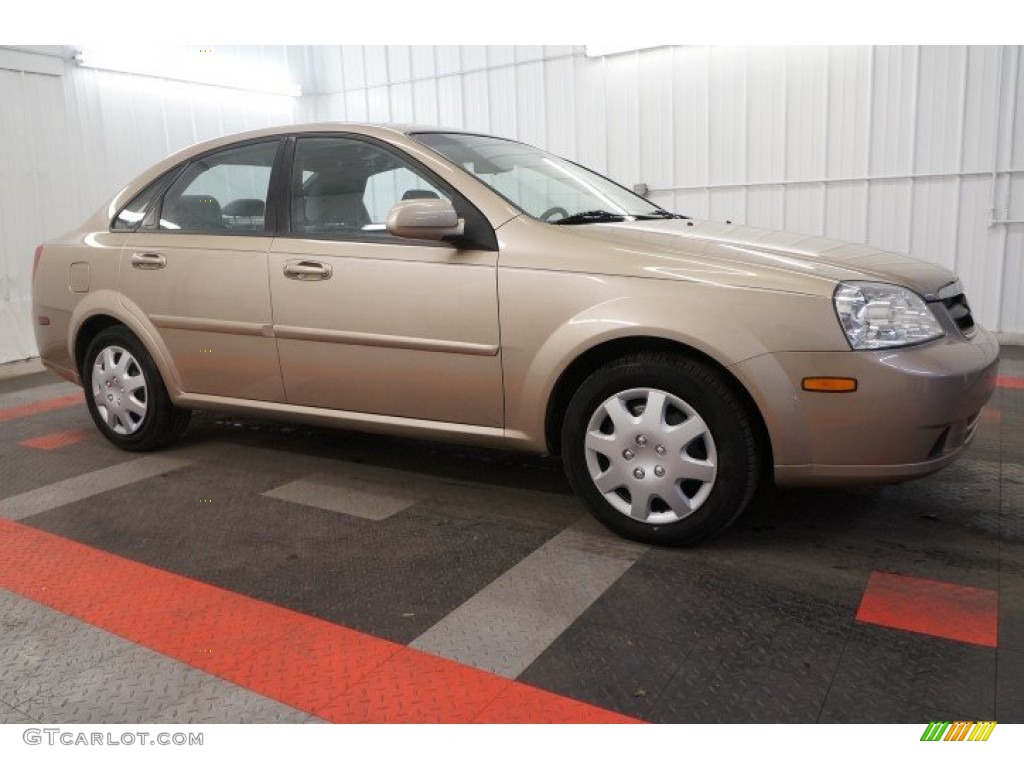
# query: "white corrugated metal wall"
[[891, 146], [69, 141]]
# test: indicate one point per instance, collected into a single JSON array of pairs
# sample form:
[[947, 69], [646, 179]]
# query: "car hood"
[[693, 249]]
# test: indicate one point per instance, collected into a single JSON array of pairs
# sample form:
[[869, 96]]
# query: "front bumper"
[[914, 412]]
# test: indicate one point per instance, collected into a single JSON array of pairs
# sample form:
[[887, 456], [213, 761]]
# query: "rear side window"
[[131, 215], [222, 193]]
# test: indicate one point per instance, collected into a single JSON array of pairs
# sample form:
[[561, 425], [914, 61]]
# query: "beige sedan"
[[468, 288]]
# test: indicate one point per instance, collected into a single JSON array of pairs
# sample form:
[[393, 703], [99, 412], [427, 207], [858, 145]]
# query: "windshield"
[[544, 186]]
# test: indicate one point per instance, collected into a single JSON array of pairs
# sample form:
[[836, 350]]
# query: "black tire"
[[734, 442], [162, 423]]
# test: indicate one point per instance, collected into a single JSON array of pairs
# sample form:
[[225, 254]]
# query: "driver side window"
[[346, 186]]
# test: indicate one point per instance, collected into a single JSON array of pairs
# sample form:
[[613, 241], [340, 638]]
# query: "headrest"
[[336, 184], [245, 206], [420, 194]]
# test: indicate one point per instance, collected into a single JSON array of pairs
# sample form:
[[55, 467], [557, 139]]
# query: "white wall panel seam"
[[1011, 130], [436, 78], [786, 129], [1014, 112], [604, 101], [707, 126], [388, 87], [826, 109], [366, 80], [869, 116], [996, 126], [1004, 234], [748, 134], [960, 147], [914, 133]]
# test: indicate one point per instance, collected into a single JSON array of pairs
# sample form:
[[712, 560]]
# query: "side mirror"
[[425, 220]]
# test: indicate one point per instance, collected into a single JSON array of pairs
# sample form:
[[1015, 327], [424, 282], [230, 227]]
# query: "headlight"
[[878, 315]]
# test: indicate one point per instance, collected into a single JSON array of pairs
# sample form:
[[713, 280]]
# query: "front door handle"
[[308, 270], [148, 261]]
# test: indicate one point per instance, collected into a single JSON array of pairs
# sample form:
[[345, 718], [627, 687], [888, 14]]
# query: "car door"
[[197, 269], [369, 323]]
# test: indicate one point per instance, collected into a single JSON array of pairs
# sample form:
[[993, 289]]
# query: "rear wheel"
[[126, 397], [661, 449]]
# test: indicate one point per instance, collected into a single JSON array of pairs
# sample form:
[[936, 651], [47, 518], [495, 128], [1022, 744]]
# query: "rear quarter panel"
[[54, 296]]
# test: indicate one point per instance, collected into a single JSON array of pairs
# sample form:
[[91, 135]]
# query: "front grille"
[[960, 311]]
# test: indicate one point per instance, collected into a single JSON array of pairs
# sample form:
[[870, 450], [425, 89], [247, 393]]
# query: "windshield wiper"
[[660, 213], [590, 217]]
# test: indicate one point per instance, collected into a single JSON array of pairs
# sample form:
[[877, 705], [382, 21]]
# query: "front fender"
[[576, 313]]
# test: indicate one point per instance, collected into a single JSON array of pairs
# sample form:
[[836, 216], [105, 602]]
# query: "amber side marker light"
[[829, 384]]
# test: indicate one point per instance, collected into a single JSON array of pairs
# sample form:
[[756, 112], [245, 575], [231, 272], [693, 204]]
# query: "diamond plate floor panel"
[[886, 669], [619, 669], [12, 716], [218, 701], [57, 669], [133, 686], [40, 648]]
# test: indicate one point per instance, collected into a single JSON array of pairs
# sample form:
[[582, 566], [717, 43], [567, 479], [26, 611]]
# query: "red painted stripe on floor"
[[60, 439], [990, 415], [937, 608], [322, 668], [1010, 382], [41, 406], [522, 704]]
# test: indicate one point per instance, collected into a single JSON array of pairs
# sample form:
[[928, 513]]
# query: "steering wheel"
[[546, 216]]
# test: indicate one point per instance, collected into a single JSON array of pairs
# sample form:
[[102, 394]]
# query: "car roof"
[[380, 130], [370, 129]]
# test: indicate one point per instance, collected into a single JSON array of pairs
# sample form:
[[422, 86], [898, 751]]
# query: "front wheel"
[[127, 398], [661, 449]]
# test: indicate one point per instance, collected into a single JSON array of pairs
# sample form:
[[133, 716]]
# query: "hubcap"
[[651, 455], [119, 390]]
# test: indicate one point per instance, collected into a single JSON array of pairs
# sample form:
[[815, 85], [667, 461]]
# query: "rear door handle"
[[148, 261], [308, 270]]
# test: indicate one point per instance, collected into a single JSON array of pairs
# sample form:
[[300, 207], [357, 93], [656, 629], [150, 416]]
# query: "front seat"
[[335, 202]]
